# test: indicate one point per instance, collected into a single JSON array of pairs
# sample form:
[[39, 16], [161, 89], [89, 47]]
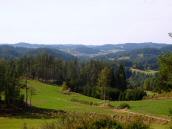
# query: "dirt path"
[[144, 117]]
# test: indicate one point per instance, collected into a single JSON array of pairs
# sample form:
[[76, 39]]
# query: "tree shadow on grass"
[[32, 113]]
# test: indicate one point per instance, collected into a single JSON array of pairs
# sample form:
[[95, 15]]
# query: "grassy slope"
[[147, 72], [51, 97]]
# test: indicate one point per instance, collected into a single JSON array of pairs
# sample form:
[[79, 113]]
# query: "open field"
[[147, 72], [51, 97]]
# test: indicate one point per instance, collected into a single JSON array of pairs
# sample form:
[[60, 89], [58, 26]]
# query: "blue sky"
[[85, 21]]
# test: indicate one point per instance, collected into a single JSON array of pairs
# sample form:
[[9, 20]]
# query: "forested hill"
[[90, 51], [10, 52], [139, 55], [143, 58]]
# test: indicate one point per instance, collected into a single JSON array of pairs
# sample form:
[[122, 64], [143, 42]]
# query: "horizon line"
[[91, 44]]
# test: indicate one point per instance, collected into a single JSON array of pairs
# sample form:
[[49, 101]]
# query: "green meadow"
[[52, 97]]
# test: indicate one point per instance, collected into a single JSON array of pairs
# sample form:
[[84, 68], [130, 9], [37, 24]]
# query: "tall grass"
[[90, 121]]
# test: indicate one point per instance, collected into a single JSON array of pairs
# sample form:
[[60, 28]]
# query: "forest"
[[107, 80], [100, 86]]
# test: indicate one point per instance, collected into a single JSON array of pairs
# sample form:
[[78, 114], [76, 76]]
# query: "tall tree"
[[2, 76], [121, 78], [165, 62], [105, 80], [12, 89]]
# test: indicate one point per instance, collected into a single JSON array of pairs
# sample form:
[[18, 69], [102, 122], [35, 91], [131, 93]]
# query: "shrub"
[[65, 86], [103, 124], [170, 111], [137, 125], [90, 121], [85, 121], [134, 94], [113, 93], [124, 106]]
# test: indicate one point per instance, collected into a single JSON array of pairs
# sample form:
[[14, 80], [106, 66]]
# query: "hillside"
[[52, 97], [142, 58], [10, 52], [94, 50]]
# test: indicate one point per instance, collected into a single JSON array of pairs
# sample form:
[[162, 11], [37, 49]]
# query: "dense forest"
[[108, 80]]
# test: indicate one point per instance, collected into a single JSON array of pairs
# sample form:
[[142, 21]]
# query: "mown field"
[[52, 97]]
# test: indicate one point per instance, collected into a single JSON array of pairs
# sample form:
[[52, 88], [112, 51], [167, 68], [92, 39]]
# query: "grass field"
[[147, 72], [51, 97]]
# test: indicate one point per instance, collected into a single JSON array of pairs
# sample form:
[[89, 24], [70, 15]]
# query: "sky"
[[85, 21]]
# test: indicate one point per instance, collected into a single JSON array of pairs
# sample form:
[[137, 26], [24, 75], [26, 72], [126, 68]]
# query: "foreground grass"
[[18, 123], [51, 97]]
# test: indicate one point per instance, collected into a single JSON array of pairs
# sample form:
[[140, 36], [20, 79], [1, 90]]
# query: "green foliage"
[[152, 84], [166, 71], [121, 78], [137, 125], [170, 111], [9, 84], [124, 106], [91, 121], [137, 79], [65, 86], [105, 80], [113, 93], [134, 94]]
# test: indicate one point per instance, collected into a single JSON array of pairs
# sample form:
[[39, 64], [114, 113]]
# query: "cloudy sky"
[[85, 21]]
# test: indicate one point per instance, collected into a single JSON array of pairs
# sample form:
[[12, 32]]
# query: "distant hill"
[[141, 55], [93, 50], [142, 58], [10, 52], [53, 52]]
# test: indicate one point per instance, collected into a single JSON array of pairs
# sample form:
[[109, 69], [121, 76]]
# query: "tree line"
[[99, 79], [163, 80]]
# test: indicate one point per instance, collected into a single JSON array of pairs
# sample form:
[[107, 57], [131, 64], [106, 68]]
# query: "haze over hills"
[[135, 52], [92, 50]]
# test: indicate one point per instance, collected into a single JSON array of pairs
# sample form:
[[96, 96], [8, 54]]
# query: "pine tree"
[[121, 78]]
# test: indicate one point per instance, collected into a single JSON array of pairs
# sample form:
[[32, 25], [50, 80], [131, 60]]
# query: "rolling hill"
[[93, 50], [10, 52]]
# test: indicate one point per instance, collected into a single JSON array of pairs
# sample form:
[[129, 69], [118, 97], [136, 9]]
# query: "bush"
[[90, 121], [170, 111], [124, 106], [65, 86], [83, 101], [103, 124], [113, 93], [137, 125], [134, 94], [85, 121]]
